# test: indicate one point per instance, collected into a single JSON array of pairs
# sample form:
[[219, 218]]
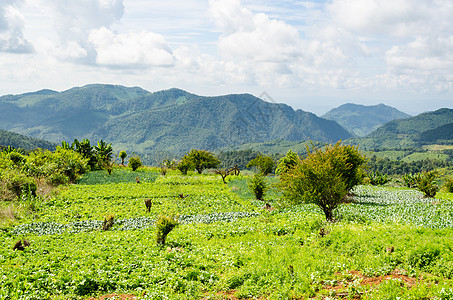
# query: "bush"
[[264, 163], [258, 186], [184, 166], [135, 162], [427, 184], [199, 160], [122, 155], [287, 162], [19, 183], [378, 178], [448, 185], [324, 177], [164, 225]]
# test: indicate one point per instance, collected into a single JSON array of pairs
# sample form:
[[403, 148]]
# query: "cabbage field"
[[387, 243]]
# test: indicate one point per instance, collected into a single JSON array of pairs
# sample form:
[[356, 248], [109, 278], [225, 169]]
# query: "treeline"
[[16, 140], [398, 167], [241, 158]]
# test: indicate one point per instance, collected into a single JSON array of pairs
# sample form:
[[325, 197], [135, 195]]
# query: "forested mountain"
[[172, 120], [21, 141], [426, 128], [360, 119]]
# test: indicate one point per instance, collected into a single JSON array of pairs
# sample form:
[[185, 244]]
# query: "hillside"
[[360, 119], [424, 129], [20, 141], [172, 120]]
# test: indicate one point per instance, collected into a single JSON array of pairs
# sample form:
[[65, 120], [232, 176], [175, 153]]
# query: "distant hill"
[[360, 119], [424, 129], [20, 141], [174, 120]]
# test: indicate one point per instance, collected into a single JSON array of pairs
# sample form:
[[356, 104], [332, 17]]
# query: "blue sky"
[[312, 55]]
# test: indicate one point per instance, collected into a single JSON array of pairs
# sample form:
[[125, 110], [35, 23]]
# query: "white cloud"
[[11, 29], [135, 49]]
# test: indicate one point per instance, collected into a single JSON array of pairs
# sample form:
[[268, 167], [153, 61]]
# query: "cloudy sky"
[[312, 55]]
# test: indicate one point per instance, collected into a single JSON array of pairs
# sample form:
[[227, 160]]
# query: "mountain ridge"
[[171, 120]]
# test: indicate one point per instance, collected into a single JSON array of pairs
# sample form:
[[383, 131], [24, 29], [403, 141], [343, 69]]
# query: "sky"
[[312, 55]]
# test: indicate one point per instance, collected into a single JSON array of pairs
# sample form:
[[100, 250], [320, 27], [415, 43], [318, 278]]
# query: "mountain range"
[[176, 121], [173, 120], [361, 120]]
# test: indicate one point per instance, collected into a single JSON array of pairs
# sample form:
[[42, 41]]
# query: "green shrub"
[[164, 225], [427, 184], [448, 185], [423, 257], [19, 183], [200, 160], [135, 162], [287, 162], [122, 155], [324, 177], [184, 166], [16, 157], [264, 163], [378, 178], [258, 186]]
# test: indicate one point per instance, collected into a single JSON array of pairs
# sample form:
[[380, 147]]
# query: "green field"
[[388, 243]]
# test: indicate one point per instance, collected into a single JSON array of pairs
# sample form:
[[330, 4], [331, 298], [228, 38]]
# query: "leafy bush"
[[258, 186], [164, 225], [410, 180], [448, 185], [19, 183], [287, 162], [264, 163], [135, 162], [184, 166], [324, 177], [378, 179], [427, 184], [424, 256], [122, 155], [199, 160]]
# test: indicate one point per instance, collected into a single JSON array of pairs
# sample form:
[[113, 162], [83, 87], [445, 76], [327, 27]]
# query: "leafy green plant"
[[410, 180], [448, 185], [287, 162], [324, 177], [258, 186], [264, 163], [199, 160], [135, 162], [376, 178], [123, 156], [164, 225], [427, 184]]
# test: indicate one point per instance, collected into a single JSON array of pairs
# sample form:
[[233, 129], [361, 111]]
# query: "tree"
[[135, 162], [104, 153], [264, 163], [324, 177], [200, 160], [258, 186], [122, 155], [287, 162]]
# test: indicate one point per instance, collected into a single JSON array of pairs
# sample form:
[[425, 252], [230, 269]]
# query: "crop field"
[[388, 243]]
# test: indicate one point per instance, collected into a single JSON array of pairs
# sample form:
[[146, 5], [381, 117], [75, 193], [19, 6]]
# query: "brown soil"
[[370, 282]]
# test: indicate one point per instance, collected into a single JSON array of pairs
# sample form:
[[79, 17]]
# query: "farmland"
[[388, 243]]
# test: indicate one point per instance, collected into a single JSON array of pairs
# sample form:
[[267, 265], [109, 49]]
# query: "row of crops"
[[226, 245]]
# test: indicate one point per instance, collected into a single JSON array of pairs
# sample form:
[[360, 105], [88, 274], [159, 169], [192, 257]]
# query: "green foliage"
[[123, 156], [410, 180], [258, 186], [265, 164], [18, 183], [448, 185], [324, 177], [199, 159], [164, 225], [16, 140], [104, 153], [135, 162], [376, 178], [286, 163], [422, 257], [427, 184]]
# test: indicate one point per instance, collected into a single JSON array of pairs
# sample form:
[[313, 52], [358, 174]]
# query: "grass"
[[226, 245]]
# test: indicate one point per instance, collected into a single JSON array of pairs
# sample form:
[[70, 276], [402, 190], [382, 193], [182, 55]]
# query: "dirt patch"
[[114, 297], [356, 278]]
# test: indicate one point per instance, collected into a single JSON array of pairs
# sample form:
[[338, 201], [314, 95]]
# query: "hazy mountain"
[[174, 120], [426, 128], [360, 119], [21, 141]]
